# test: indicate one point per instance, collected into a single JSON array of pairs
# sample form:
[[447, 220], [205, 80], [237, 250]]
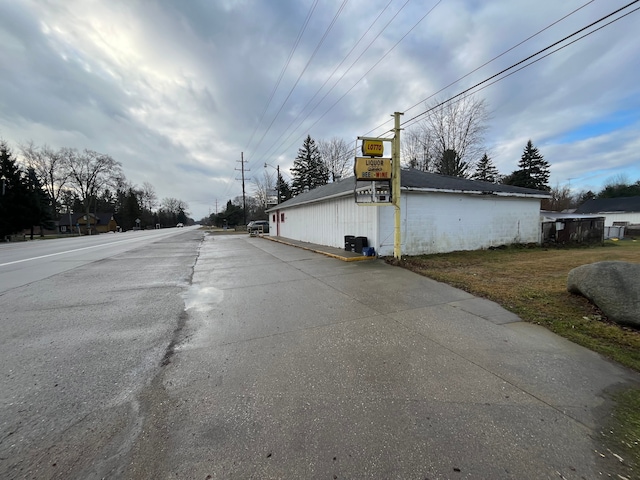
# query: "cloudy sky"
[[177, 90]]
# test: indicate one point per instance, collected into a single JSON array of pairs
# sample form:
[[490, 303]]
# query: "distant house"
[[100, 223], [571, 228], [616, 211], [439, 214]]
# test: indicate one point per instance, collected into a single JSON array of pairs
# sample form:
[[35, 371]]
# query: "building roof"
[[418, 181], [545, 214], [610, 205]]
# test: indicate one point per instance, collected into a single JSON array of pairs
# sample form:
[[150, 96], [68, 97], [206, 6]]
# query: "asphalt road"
[[86, 323], [198, 357]]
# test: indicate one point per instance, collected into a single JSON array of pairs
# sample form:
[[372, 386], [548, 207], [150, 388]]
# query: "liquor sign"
[[372, 148], [367, 168]]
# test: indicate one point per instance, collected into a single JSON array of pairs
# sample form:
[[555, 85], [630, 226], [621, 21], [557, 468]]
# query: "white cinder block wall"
[[327, 222], [431, 222], [446, 222]]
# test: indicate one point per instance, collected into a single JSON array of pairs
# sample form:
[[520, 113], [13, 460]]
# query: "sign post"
[[395, 188], [378, 179]]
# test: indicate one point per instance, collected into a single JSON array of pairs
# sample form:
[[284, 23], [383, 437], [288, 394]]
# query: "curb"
[[332, 255]]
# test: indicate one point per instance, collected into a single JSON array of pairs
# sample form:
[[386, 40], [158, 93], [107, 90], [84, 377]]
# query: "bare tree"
[[50, 168], [264, 188], [561, 199], [89, 173], [457, 126], [174, 205], [148, 197], [418, 147], [337, 157]]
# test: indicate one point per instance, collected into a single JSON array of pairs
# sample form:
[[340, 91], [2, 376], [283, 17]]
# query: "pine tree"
[[39, 206], [451, 164], [14, 197], [284, 191], [486, 171], [533, 172], [308, 170]]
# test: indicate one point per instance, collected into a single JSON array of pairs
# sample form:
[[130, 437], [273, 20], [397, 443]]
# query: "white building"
[[616, 211], [439, 214]]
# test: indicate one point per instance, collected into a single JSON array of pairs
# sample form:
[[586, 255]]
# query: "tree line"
[[44, 185]]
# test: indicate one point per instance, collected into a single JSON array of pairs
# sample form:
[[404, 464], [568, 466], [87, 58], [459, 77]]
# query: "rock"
[[613, 286]]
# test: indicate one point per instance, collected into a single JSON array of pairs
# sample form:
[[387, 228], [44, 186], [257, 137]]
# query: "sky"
[[180, 91]]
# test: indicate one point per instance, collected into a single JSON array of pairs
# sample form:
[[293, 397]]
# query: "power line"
[[367, 72], [335, 70], [486, 63], [326, 33], [484, 84], [535, 55], [284, 68]]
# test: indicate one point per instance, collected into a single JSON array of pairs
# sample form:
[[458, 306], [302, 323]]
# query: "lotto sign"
[[372, 148], [367, 168]]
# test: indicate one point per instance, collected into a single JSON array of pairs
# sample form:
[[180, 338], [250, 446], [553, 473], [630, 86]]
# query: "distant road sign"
[[367, 168], [372, 148]]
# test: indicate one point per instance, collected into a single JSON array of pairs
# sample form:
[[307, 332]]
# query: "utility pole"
[[278, 184], [244, 199], [395, 188]]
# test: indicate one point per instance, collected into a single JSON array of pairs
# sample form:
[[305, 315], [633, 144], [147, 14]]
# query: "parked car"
[[258, 226]]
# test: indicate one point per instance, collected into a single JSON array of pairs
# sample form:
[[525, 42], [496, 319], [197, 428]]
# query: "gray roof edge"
[[416, 181], [538, 194]]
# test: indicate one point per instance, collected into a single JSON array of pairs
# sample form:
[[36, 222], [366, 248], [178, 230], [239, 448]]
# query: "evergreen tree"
[[518, 178], [486, 171], [533, 172], [284, 191], [451, 164], [14, 196], [129, 210], [309, 171], [39, 211], [620, 189]]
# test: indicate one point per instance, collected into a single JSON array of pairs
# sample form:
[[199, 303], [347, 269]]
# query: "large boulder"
[[613, 286]]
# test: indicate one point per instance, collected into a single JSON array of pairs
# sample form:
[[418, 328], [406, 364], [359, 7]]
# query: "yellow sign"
[[367, 168], [372, 148]]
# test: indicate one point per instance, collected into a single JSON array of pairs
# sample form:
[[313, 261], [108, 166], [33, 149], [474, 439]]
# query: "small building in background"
[[100, 223], [616, 211], [571, 228]]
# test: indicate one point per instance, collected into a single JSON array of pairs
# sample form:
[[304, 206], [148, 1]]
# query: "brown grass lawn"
[[532, 282]]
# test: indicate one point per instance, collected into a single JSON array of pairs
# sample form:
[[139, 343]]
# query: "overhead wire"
[[277, 84], [326, 33], [535, 55], [328, 29], [284, 69], [487, 82], [487, 63], [270, 149], [367, 72]]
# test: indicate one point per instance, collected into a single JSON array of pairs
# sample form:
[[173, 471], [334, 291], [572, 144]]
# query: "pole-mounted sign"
[[372, 148], [369, 168]]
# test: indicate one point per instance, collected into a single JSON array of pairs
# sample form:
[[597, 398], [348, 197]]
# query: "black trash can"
[[349, 243], [360, 243]]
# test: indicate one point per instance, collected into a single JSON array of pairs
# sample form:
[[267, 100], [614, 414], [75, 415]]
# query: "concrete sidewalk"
[[292, 365], [332, 252]]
